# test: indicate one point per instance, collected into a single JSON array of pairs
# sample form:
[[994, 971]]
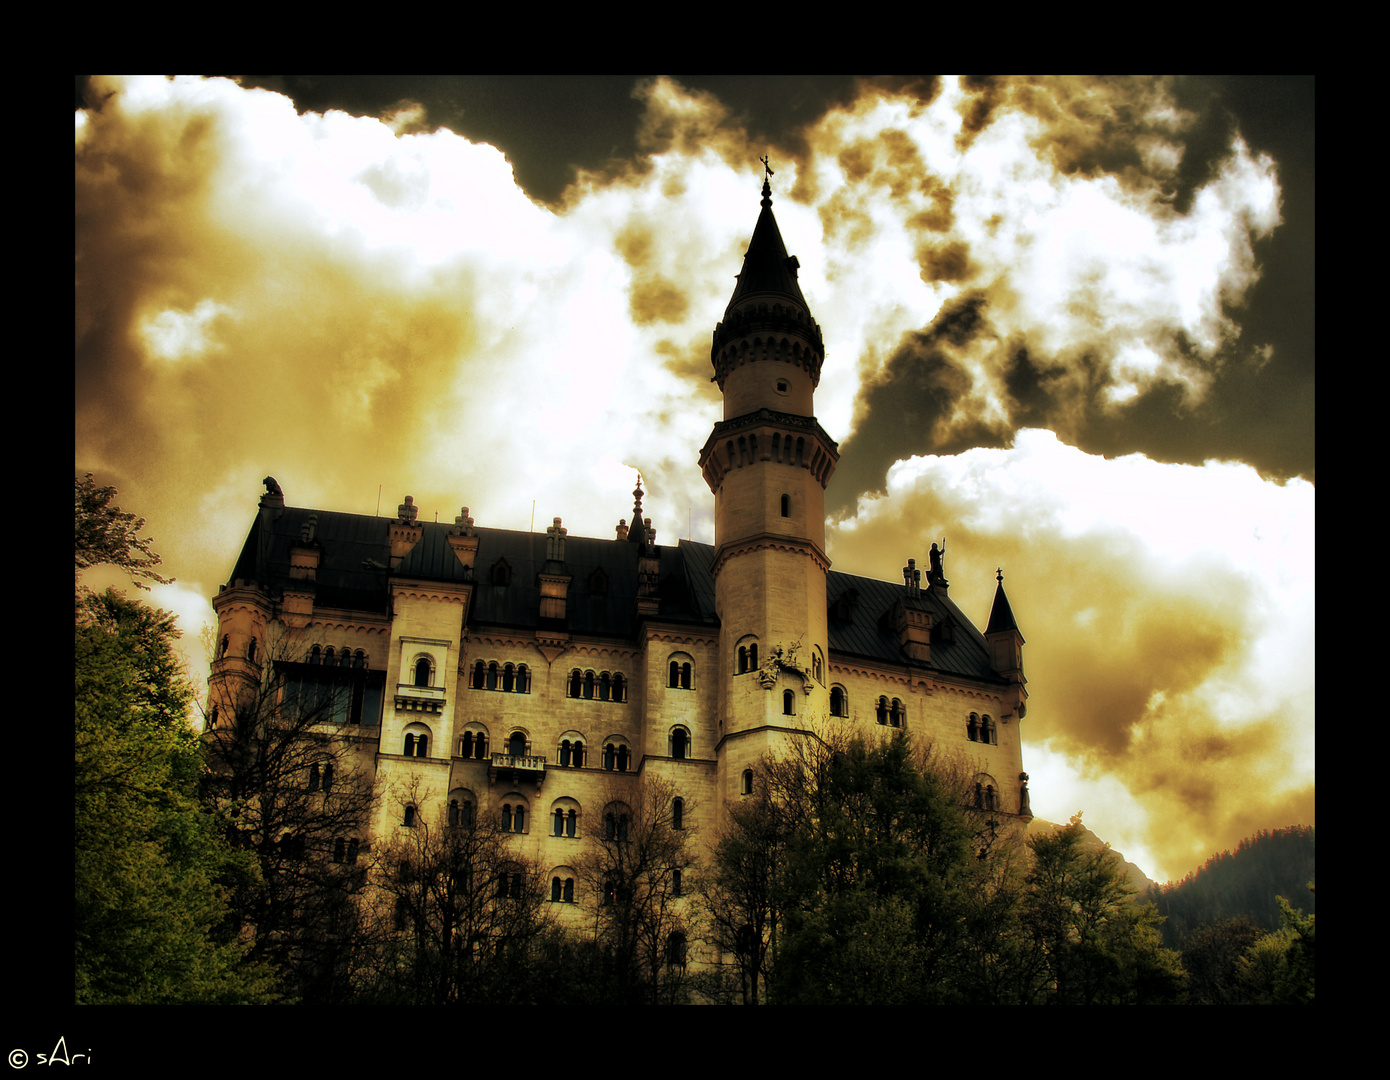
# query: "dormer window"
[[501, 573]]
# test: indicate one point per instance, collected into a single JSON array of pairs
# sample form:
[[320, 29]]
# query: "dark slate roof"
[[1001, 616], [766, 266], [354, 549]]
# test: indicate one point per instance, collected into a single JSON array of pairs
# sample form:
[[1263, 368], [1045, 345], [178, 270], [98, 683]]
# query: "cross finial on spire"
[[999, 575], [767, 188]]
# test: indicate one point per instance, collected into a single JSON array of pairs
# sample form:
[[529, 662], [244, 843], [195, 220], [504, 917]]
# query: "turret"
[[1006, 650]]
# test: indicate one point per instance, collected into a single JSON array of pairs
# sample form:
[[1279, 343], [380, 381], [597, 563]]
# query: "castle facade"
[[475, 670]]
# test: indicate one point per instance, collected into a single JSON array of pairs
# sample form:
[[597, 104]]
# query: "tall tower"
[[767, 463]]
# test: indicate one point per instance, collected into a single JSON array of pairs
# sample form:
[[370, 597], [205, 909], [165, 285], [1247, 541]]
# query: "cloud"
[[1169, 615]]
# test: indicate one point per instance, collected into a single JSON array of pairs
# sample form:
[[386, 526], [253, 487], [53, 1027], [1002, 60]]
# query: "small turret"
[[1006, 648]]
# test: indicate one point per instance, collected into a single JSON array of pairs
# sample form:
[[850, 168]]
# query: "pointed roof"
[[767, 268], [1001, 616]]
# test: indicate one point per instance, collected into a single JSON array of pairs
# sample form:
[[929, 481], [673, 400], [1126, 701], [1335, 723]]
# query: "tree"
[[639, 865], [468, 919], [105, 534], [875, 865], [151, 869], [1211, 958], [1098, 947], [299, 799], [742, 894], [1278, 969]]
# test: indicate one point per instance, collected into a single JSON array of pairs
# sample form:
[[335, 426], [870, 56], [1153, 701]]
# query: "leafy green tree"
[[107, 535], [1098, 947], [873, 877], [1279, 968], [151, 870], [1211, 958]]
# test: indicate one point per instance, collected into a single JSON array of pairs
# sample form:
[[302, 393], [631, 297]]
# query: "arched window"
[[605, 686], [359, 659], [837, 702], [677, 813], [568, 895], [508, 679], [680, 743], [516, 745], [409, 750], [988, 731], [559, 822], [895, 714], [619, 687], [788, 703], [588, 686], [227, 642], [622, 759], [742, 659], [748, 781], [313, 777], [315, 654], [422, 671], [328, 776], [972, 728], [554, 890], [881, 712], [571, 823], [251, 650], [492, 675], [786, 506], [989, 796], [576, 683], [675, 676], [676, 882], [409, 820], [479, 675], [609, 757]]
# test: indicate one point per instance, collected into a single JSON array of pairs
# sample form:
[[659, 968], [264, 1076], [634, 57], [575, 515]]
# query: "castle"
[[479, 670]]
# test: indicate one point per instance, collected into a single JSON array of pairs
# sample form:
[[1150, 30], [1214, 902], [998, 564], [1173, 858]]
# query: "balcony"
[[519, 766]]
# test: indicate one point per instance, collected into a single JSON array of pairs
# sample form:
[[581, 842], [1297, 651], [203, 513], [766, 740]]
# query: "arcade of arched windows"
[[571, 752], [890, 713], [747, 655], [616, 756], [603, 686], [473, 744], [515, 813], [330, 657], [562, 885], [461, 813], [417, 741], [506, 678], [680, 672], [982, 729], [564, 818]]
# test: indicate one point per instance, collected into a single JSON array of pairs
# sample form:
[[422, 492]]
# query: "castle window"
[[359, 659], [422, 671], [989, 796], [313, 777], [839, 706], [678, 813], [568, 895], [786, 506], [680, 743], [501, 573], [352, 850], [675, 949], [988, 731], [251, 650], [676, 883], [327, 776], [576, 683], [788, 703], [492, 675], [479, 675], [409, 820], [972, 728], [748, 781], [508, 679], [619, 688], [895, 714], [227, 643], [881, 712], [622, 759], [516, 745], [416, 744], [748, 658], [513, 818], [555, 890], [559, 822], [605, 686]]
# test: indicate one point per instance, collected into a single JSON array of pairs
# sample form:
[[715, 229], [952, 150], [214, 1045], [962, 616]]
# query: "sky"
[[1068, 328]]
